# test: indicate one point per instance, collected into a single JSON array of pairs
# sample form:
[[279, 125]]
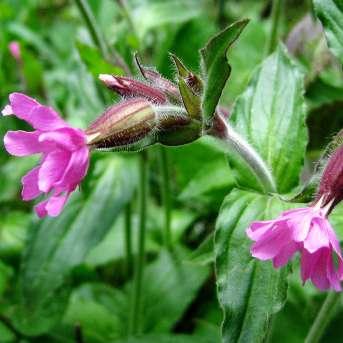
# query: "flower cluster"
[[151, 111], [307, 231], [63, 149]]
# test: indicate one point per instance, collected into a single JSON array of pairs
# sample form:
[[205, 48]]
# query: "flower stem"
[[276, 14], [128, 240], [93, 28], [223, 131], [323, 318], [139, 266], [221, 13], [98, 36], [166, 200]]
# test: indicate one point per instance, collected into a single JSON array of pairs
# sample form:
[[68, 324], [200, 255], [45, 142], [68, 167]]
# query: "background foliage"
[[60, 277]]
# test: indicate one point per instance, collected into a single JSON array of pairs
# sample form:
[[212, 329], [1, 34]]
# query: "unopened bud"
[[169, 88], [14, 49], [331, 182], [125, 86], [122, 124]]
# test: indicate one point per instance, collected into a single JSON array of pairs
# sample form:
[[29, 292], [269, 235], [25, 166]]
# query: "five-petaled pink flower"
[[308, 231], [65, 155]]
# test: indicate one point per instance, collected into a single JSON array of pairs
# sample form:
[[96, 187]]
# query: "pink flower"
[[308, 231], [14, 48], [65, 155]]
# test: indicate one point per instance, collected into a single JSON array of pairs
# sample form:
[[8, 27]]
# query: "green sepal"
[[191, 101], [192, 80]]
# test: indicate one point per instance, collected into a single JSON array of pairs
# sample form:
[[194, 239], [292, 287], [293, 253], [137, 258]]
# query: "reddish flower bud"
[[122, 124], [331, 182], [125, 86], [169, 88]]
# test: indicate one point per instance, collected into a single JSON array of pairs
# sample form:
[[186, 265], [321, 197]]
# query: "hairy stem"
[[323, 318], [166, 199], [223, 131], [139, 266], [276, 14], [128, 240]]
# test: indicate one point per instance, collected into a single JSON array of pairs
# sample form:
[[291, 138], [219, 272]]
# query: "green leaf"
[[58, 244], [7, 336], [169, 286], [147, 15], [175, 284], [95, 62], [168, 338], [271, 115], [100, 310], [204, 254], [330, 13], [13, 228], [216, 67], [249, 291], [209, 185]]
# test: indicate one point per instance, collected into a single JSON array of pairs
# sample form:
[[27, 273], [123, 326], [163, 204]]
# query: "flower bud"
[[14, 49], [331, 182], [125, 86], [123, 124], [167, 87]]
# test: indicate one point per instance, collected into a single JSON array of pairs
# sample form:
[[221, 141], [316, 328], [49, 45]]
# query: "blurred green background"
[[68, 277]]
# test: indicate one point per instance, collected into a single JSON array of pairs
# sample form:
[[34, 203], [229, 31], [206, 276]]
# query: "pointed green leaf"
[[249, 291], [59, 244], [271, 115], [215, 65], [330, 13]]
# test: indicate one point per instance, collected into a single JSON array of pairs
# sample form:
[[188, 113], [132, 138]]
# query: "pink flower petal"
[[308, 262], [52, 169], [22, 143], [45, 118], [55, 204], [76, 169], [22, 104], [271, 243], [333, 275], [316, 239], [285, 254], [40, 209], [300, 210], [52, 206], [66, 138], [259, 228], [7, 110], [300, 224], [30, 185], [332, 237], [38, 116], [319, 272]]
